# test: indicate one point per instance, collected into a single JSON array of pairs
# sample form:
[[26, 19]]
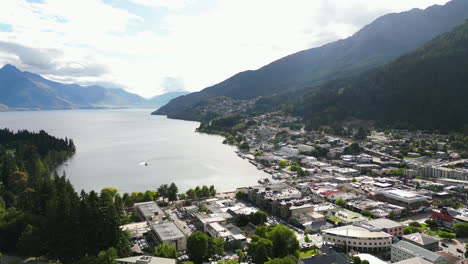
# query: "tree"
[[356, 260], [284, 241], [215, 247], [260, 250], [28, 242], [353, 180], [227, 261], [108, 256], [410, 230], [191, 194], [300, 172], [366, 212], [212, 190], [163, 191], [172, 192], [150, 196], [259, 218], [240, 255], [18, 181], [306, 238], [110, 191], [205, 191], [340, 202], [261, 231], [244, 146], [460, 230], [446, 235], [197, 247], [165, 251], [361, 133], [285, 260], [415, 224], [282, 163], [353, 149], [198, 192], [431, 223], [392, 215]]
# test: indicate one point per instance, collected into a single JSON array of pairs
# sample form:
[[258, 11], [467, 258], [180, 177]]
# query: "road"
[[452, 248]]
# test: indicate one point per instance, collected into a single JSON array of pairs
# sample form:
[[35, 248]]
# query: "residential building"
[[346, 216], [149, 211], [408, 199], [393, 228], [169, 233], [423, 240], [405, 250]]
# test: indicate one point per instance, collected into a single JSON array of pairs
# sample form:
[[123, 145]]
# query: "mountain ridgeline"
[[425, 89], [25, 90], [376, 44]]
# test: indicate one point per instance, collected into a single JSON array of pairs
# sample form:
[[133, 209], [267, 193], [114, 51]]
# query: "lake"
[[113, 146]]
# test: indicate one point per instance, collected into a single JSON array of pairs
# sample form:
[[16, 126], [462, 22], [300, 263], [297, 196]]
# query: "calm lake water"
[[112, 146]]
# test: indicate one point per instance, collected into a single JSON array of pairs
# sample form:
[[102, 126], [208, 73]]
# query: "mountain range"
[[374, 45], [25, 90], [424, 89]]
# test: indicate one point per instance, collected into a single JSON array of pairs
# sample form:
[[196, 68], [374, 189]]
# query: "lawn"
[[308, 253]]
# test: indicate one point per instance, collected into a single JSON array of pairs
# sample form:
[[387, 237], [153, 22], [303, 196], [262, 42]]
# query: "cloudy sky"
[[154, 46]]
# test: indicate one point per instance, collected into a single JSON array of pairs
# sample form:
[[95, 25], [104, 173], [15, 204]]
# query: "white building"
[[358, 238]]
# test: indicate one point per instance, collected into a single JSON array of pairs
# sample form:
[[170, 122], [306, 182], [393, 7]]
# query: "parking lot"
[[453, 247]]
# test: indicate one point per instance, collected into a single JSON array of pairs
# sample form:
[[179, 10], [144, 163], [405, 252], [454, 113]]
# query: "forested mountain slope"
[[377, 43], [427, 89]]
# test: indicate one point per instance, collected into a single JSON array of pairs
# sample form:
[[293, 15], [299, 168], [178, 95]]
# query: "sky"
[[150, 47]]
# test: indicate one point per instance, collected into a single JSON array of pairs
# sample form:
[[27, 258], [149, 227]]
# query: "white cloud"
[[177, 4], [197, 43]]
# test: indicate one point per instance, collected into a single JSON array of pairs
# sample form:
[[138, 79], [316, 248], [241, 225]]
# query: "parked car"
[[443, 244]]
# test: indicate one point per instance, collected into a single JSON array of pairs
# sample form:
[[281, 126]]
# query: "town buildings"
[[169, 233], [403, 250]]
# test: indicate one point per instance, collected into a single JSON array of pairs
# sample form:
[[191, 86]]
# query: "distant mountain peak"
[[9, 67], [25, 90]]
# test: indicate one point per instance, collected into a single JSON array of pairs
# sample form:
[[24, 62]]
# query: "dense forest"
[[42, 215], [425, 89]]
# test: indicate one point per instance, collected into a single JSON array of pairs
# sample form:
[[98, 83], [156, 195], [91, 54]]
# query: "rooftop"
[[370, 258], [146, 259], [356, 231], [415, 260], [149, 208], [421, 239], [167, 231], [384, 223], [417, 251]]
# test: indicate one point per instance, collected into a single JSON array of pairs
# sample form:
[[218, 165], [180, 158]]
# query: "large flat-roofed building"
[[169, 233], [405, 250], [408, 199], [423, 240], [387, 225], [148, 211], [357, 238]]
